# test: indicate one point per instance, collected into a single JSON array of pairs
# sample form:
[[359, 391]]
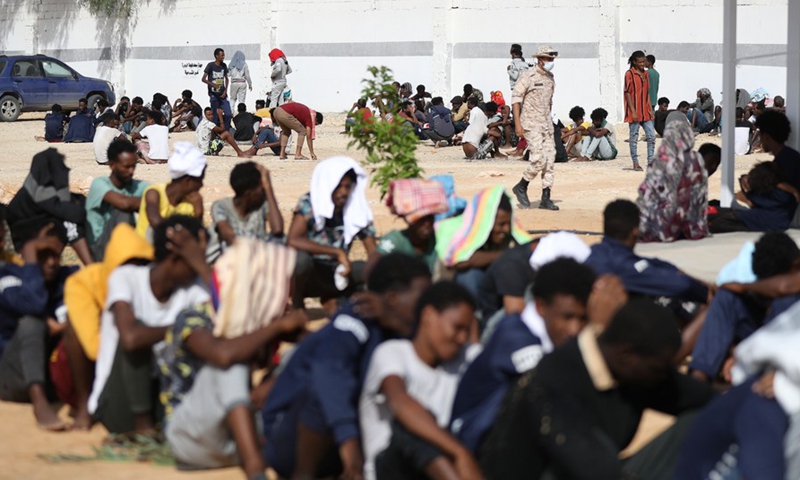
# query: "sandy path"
[[581, 190]]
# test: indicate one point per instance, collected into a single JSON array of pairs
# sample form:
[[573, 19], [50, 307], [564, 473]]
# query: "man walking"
[[532, 101], [215, 76]]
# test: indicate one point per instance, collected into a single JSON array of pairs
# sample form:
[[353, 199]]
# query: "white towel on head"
[[186, 159], [324, 180], [558, 245]]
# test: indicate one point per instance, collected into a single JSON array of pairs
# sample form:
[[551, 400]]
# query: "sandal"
[[637, 168]]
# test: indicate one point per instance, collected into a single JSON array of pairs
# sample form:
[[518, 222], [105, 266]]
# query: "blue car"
[[33, 83]]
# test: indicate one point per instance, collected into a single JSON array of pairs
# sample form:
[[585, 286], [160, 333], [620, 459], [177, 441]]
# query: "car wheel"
[[9, 108], [93, 101]]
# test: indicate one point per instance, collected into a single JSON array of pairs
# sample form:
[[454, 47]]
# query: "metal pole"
[[793, 73], [728, 100]]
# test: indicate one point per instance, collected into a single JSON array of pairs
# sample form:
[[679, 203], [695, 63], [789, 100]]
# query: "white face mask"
[[549, 65]]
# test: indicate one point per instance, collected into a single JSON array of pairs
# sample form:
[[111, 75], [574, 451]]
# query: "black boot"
[[546, 203], [521, 192]]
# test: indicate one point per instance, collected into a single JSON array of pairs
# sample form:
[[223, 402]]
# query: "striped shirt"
[[637, 85]]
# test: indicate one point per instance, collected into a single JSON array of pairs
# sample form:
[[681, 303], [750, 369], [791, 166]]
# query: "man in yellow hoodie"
[[85, 298]]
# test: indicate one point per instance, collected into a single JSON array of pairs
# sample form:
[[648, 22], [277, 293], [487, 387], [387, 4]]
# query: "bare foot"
[[247, 154], [47, 418], [83, 421], [300, 157], [283, 158]]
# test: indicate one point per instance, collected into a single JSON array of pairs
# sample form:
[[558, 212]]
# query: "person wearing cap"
[[460, 112], [532, 101], [181, 196]]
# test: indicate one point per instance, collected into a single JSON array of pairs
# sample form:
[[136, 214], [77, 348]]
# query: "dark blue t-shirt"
[[54, 127], [788, 163]]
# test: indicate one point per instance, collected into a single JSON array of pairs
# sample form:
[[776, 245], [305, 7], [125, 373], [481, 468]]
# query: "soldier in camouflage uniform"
[[532, 101]]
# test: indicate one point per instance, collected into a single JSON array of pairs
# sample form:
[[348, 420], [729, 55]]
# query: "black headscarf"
[[49, 177]]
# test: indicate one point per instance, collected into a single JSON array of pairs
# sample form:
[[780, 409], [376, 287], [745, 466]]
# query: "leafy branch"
[[110, 8], [390, 145]]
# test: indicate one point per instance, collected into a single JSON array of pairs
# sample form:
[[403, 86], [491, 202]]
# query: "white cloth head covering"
[[186, 159], [558, 245], [324, 180]]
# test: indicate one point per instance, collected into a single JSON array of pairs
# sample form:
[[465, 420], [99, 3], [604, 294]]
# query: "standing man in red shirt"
[[638, 111], [296, 116]]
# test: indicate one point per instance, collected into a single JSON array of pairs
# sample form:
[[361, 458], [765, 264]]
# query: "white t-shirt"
[[741, 142], [103, 136], [433, 388], [158, 136], [477, 127], [131, 284], [203, 133]]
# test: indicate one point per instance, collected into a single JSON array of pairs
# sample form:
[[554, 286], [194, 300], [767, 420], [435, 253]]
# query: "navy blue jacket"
[[512, 350], [330, 365], [771, 211], [644, 276], [24, 292]]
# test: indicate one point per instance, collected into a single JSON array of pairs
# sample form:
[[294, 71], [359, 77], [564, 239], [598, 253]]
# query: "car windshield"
[[54, 69]]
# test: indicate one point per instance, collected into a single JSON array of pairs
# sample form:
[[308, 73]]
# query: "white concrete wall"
[[440, 43]]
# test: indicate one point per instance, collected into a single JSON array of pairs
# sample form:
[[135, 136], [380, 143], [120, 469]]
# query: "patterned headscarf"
[[414, 198], [678, 138], [250, 286], [674, 195], [459, 237]]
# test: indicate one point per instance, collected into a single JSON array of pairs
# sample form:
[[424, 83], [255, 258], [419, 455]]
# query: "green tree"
[[110, 8], [390, 146]]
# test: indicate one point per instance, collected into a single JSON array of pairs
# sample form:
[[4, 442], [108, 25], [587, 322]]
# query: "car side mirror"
[[75, 75]]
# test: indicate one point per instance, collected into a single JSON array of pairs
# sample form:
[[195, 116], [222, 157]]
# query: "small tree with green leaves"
[[390, 146]]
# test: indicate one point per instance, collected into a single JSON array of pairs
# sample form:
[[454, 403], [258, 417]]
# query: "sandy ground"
[[581, 191]]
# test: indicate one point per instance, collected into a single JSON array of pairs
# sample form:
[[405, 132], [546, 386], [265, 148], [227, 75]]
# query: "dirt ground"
[[581, 191]]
